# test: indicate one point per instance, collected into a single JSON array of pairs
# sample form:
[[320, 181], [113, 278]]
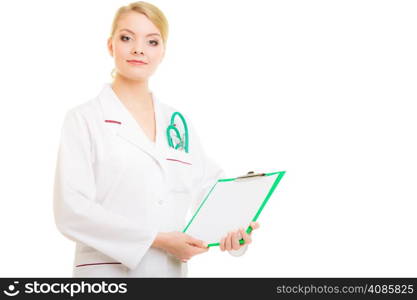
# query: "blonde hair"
[[153, 13]]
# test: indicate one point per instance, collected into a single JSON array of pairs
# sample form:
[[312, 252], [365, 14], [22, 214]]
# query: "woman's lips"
[[136, 62]]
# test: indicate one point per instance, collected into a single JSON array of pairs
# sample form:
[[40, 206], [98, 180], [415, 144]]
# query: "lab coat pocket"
[[180, 170], [92, 263], [101, 270]]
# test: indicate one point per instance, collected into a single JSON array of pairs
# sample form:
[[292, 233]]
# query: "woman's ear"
[[110, 46]]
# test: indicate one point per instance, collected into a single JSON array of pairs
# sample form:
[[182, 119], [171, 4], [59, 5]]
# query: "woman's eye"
[[156, 42], [124, 36]]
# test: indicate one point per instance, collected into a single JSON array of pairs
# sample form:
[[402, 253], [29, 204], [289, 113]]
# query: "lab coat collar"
[[127, 127]]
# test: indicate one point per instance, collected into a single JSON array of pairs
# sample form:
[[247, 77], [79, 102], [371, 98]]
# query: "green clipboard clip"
[[249, 175]]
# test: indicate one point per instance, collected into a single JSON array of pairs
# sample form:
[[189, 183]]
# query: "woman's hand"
[[179, 244], [231, 240]]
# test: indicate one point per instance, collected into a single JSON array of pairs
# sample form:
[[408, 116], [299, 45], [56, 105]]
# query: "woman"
[[121, 191]]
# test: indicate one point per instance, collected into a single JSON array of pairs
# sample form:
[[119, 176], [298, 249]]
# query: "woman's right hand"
[[179, 244]]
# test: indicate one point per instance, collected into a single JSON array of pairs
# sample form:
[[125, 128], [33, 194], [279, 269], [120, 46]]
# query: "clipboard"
[[232, 203]]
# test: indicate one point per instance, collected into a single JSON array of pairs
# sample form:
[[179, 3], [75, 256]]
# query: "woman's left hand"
[[231, 240]]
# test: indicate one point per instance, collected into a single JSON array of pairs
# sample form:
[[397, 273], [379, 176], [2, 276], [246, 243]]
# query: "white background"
[[325, 90]]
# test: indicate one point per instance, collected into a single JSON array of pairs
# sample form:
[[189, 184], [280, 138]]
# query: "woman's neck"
[[134, 94]]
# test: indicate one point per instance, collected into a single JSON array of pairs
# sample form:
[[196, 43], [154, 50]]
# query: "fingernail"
[[205, 244]]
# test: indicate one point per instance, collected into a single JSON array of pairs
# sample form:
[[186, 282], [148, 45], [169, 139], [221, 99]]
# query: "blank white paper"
[[229, 206]]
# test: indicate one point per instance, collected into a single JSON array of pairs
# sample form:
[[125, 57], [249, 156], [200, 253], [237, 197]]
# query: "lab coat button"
[[160, 201]]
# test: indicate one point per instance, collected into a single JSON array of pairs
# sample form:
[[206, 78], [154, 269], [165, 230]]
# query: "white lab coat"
[[115, 189]]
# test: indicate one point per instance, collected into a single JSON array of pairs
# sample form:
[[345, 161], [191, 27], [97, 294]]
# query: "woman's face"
[[135, 32]]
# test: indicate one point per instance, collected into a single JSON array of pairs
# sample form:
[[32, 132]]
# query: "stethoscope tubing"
[[183, 141]]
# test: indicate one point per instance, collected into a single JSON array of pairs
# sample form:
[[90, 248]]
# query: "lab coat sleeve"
[[77, 215], [211, 172]]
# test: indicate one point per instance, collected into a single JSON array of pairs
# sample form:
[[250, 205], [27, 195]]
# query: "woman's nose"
[[137, 51]]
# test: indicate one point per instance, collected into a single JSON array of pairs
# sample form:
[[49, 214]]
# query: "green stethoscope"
[[182, 140]]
